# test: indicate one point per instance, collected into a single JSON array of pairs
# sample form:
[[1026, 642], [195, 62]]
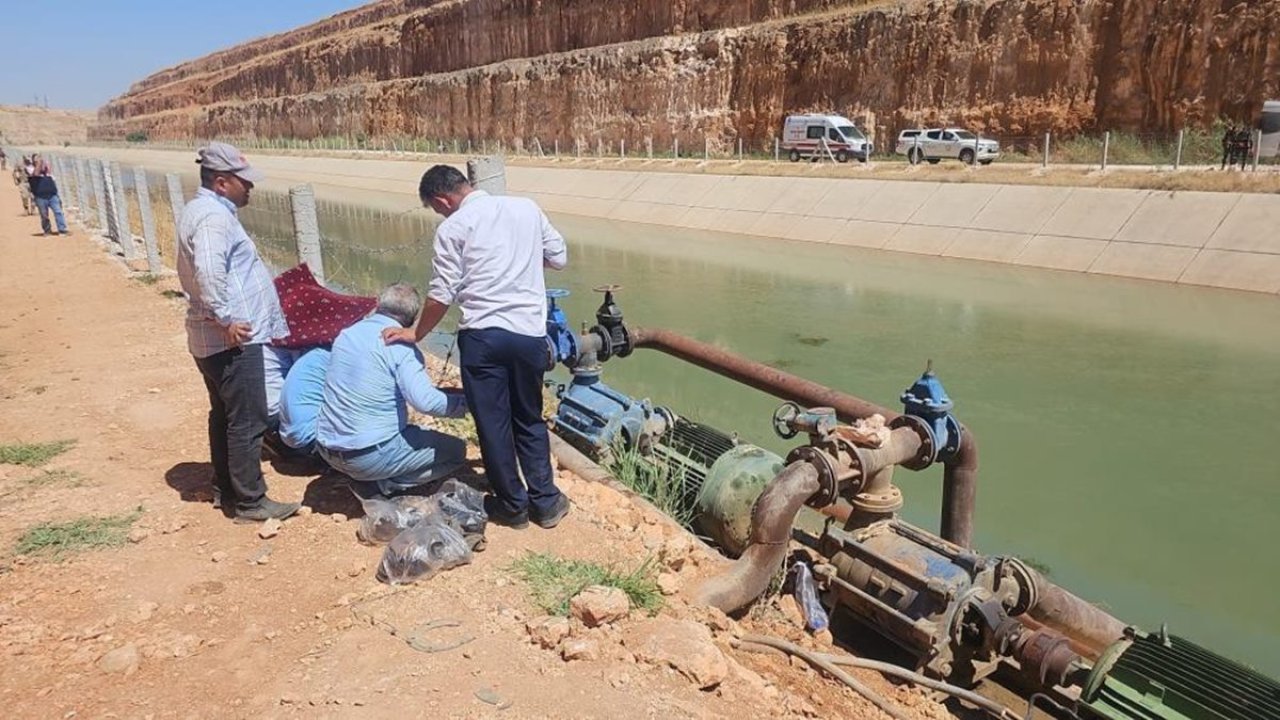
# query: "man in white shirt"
[[489, 258]]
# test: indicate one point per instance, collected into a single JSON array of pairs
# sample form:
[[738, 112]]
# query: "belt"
[[352, 454]]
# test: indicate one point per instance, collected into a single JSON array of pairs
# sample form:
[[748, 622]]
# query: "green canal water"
[[1128, 430]]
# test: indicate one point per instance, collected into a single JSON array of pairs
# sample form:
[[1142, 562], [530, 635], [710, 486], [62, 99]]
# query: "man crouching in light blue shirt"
[[301, 398], [363, 430]]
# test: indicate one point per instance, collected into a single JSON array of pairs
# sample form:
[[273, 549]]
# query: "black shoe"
[[217, 499], [266, 510], [553, 518], [498, 516]]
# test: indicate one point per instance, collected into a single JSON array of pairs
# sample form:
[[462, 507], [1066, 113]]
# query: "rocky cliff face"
[[582, 70]]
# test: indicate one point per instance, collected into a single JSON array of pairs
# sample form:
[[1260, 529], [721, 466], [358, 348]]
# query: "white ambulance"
[[806, 136]]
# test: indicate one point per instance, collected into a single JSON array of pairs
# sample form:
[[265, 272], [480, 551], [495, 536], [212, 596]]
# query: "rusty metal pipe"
[[1074, 616], [772, 517], [960, 478], [960, 491], [759, 376]]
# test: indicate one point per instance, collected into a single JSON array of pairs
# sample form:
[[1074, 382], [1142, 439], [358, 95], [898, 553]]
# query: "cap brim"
[[253, 175]]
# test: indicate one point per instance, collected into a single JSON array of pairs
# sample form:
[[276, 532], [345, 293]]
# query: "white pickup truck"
[[937, 144]]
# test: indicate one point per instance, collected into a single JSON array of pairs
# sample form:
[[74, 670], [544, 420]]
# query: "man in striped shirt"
[[233, 313]]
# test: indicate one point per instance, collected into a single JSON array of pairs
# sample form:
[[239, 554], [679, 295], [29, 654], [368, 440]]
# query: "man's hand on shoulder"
[[394, 335], [238, 333]]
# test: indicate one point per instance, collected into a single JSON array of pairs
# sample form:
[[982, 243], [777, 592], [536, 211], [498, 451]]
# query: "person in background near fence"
[[489, 258], [4, 160], [233, 311], [1244, 146], [363, 430], [45, 191], [1228, 146]]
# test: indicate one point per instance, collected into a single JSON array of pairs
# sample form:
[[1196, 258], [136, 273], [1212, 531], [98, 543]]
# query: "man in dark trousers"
[[1228, 146], [45, 191], [489, 258], [233, 312]]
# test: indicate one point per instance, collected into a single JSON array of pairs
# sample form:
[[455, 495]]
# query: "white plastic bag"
[[422, 551]]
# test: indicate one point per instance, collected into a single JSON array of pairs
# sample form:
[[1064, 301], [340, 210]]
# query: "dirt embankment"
[[166, 609], [726, 69], [29, 125]]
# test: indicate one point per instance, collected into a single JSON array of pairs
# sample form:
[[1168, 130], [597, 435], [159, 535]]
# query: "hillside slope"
[[583, 69]]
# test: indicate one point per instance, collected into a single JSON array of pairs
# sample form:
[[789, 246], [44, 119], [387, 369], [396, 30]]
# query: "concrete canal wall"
[[1227, 240]]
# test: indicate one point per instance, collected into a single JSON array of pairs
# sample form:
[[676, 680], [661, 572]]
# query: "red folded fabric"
[[315, 314]]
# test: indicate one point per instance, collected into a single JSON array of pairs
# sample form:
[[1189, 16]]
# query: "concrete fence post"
[[148, 220], [556, 147], [82, 192], [111, 191], [777, 149], [306, 229], [1045, 162], [599, 147], [176, 201], [648, 146], [125, 237], [99, 193], [622, 148], [488, 173], [739, 149], [677, 148], [1177, 156], [1106, 147], [1257, 149], [706, 148]]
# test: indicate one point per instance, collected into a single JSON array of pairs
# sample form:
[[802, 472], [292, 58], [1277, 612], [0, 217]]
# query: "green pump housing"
[[1165, 677]]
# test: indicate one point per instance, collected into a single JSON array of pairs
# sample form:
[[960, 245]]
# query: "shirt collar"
[[206, 192], [472, 194], [378, 318]]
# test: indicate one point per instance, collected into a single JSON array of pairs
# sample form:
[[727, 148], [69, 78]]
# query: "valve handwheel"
[[606, 288], [782, 418]]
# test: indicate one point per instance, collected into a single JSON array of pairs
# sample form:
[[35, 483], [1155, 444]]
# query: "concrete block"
[[699, 218], [742, 222], [1253, 225], [846, 198], [1060, 253], [652, 188], [745, 193], [1020, 209], [647, 212], [922, 239], [1094, 213], [1187, 219], [1236, 270], [1139, 260], [987, 245], [690, 190], [814, 229], [862, 233], [954, 205], [896, 201], [799, 196]]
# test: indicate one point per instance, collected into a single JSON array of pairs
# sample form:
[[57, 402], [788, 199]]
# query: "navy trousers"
[[502, 378]]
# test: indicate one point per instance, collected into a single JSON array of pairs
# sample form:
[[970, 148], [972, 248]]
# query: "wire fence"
[[1190, 148]]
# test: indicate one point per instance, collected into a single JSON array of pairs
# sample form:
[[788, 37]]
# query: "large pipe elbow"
[[960, 491], [772, 518]]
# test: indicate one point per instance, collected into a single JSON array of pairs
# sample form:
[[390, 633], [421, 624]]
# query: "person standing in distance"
[[233, 311], [489, 258]]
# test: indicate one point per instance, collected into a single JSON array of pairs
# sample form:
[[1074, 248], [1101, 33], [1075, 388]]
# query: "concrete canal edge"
[[1225, 240]]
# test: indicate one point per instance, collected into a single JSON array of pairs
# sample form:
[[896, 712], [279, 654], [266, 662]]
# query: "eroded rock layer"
[[585, 70]]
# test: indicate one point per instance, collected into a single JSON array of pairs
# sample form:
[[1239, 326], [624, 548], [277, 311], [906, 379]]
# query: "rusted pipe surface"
[[1074, 616], [757, 375], [960, 480], [960, 492], [772, 517]]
